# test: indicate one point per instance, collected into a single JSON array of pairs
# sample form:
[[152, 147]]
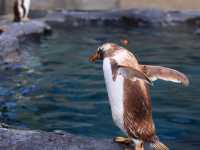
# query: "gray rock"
[[197, 31], [193, 21], [26, 28], [12, 139], [8, 43], [132, 17], [10, 51], [37, 14]]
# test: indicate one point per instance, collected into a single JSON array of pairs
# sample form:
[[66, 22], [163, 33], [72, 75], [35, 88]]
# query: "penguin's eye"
[[100, 49]]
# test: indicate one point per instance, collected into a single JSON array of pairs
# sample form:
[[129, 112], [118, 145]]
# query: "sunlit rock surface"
[[15, 139], [11, 139]]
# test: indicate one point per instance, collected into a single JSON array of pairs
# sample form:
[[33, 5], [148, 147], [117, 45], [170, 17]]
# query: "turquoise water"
[[62, 90]]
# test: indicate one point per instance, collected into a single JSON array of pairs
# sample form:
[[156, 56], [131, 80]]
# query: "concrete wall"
[[6, 5], [75, 4], [162, 4]]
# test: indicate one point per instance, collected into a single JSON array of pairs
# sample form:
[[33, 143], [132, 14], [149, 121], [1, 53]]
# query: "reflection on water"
[[66, 92]]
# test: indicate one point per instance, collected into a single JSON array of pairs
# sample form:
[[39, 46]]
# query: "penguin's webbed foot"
[[123, 140], [139, 146]]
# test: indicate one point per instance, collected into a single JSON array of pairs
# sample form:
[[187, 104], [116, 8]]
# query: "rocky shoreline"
[[13, 34], [12, 139], [45, 21], [132, 17]]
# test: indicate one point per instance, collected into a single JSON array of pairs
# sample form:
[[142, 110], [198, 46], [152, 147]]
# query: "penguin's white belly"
[[115, 94], [27, 6]]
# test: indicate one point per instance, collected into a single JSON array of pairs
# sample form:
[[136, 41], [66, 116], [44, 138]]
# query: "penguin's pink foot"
[[26, 19], [123, 140]]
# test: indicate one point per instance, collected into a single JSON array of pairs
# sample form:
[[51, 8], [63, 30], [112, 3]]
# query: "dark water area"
[[62, 90]]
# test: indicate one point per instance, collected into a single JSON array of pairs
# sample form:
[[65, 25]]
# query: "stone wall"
[[162, 4], [6, 5]]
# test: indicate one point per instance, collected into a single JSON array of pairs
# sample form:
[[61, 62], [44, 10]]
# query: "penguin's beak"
[[96, 56]]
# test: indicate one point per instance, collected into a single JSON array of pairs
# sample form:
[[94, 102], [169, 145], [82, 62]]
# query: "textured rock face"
[[26, 28], [13, 33], [11, 139], [133, 17], [6, 6]]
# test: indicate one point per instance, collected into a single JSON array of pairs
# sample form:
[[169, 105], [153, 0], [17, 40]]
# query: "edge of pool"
[[13, 139]]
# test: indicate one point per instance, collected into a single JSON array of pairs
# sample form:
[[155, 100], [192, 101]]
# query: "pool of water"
[[62, 90]]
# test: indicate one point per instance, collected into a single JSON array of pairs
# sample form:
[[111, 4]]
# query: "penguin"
[[21, 10], [128, 84]]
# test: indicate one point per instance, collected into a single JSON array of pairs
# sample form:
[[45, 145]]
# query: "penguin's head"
[[103, 51]]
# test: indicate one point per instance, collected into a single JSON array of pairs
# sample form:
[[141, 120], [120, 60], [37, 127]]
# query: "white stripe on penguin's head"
[[105, 47]]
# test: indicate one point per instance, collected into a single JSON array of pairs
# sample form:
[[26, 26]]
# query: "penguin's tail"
[[157, 145]]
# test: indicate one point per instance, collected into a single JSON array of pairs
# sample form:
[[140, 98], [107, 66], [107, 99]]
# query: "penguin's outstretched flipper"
[[163, 73]]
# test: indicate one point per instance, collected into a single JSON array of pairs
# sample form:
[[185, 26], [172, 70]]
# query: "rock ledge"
[[13, 139]]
